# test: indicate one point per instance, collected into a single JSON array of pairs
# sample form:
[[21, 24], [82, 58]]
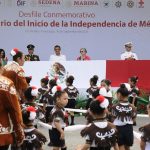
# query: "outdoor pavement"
[[73, 139]]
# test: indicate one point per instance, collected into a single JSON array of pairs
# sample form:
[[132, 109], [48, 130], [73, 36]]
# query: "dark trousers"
[[4, 147]]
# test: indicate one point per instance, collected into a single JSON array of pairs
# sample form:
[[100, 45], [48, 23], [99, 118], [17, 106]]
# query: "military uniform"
[[31, 57], [126, 55], [10, 113]]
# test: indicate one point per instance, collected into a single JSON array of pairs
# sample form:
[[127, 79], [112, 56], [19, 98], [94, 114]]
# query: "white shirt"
[[57, 58], [126, 55], [118, 121]]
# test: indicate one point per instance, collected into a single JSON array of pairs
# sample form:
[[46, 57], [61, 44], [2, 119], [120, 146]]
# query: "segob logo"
[[50, 2], [21, 2]]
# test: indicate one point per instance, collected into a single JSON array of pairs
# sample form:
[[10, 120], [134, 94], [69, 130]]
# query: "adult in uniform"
[[15, 72], [10, 114], [30, 56], [128, 54]]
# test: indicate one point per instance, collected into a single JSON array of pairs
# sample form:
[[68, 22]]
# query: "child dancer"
[[124, 115], [93, 87], [48, 100], [43, 89], [100, 134], [28, 79], [145, 138], [72, 95], [34, 139], [57, 120], [133, 97], [30, 97]]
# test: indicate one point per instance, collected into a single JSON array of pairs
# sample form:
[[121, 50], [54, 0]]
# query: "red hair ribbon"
[[100, 98]]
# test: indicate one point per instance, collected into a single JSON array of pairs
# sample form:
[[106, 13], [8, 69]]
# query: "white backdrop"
[[82, 71], [102, 42]]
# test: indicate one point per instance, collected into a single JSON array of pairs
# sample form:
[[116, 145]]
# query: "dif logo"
[[21, 3]]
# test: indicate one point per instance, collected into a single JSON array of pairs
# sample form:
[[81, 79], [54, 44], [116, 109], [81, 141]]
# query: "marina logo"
[[86, 3], [21, 2], [130, 4], [118, 4], [49, 2]]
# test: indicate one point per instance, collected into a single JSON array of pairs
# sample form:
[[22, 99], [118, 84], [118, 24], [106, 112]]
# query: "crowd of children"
[[109, 125]]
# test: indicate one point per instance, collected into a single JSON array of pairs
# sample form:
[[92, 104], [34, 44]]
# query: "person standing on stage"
[[57, 57], [30, 56], [83, 55], [128, 54], [3, 58]]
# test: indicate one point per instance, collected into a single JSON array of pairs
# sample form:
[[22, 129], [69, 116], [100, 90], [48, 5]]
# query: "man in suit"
[[30, 56]]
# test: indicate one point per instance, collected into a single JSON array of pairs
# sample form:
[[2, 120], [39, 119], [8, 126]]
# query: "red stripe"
[[119, 71]]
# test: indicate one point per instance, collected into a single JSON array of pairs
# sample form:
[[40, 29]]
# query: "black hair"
[[70, 80], [123, 90], [18, 55], [57, 46], [134, 79], [95, 107], [94, 79], [2, 50], [28, 95], [107, 82], [28, 79], [95, 94], [25, 116], [58, 94], [52, 83], [45, 80]]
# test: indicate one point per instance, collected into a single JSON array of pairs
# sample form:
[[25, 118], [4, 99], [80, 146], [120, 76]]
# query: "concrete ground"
[[73, 139]]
